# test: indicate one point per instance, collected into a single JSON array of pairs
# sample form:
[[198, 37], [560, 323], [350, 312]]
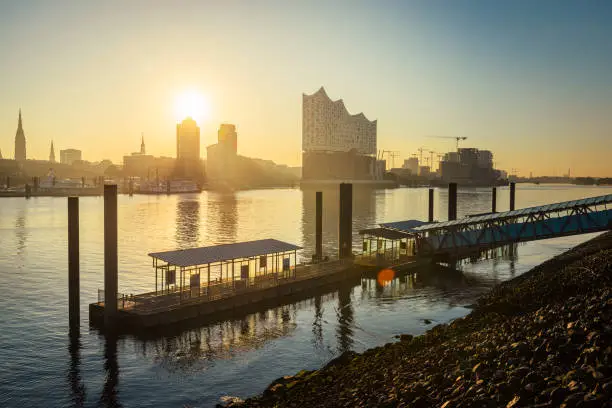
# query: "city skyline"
[[527, 81]]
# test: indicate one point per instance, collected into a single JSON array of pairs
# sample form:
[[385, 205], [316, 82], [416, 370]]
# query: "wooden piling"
[[452, 201], [110, 254], [494, 200], [345, 231], [319, 226], [430, 218], [512, 195], [28, 191], [74, 315]]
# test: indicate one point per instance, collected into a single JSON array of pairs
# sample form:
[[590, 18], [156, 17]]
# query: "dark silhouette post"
[[319, 226], [28, 191], [110, 254], [74, 316], [430, 218], [167, 186], [131, 187], [345, 232], [8, 182], [452, 201], [512, 194], [494, 200]]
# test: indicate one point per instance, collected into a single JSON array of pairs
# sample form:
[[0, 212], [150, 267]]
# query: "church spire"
[[20, 141], [52, 153], [142, 144]]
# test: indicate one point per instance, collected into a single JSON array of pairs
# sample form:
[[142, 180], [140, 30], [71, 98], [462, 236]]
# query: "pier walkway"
[[485, 231]]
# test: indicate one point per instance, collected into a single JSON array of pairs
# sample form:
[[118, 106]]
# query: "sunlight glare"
[[191, 103]]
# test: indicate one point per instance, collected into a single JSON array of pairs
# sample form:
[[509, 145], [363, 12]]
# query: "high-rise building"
[[188, 140], [336, 144], [52, 154], [228, 137], [20, 141], [69, 156]]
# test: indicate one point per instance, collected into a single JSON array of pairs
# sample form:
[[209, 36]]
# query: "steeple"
[[52, 154], [142, 145], [20, 141]]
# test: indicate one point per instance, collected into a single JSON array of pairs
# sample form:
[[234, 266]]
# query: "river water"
[[41, 365]]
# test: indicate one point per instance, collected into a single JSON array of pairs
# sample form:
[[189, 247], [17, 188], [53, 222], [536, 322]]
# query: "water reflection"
[[222, 217], [77, 387], [364, 215], [109, 397], [187, 222], [317, 324], [195, 349], [20, 232], [344, 312]]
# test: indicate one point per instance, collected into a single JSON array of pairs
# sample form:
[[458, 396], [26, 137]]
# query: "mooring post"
[[452, 201], [319, 226], [110, 254], [131, 187], [430, 218], [28, 191], [494, 200], [8, 182], [512, 195], [167, 186], [74, 316], [345, 231]]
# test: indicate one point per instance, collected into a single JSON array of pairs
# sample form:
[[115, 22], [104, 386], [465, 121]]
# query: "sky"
[[530, 81]]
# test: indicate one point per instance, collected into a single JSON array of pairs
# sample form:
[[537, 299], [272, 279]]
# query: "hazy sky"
[[529, 80]]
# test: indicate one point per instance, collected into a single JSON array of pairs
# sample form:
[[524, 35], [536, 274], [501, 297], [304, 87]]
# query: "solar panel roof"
[[225, 252], [566, 205]]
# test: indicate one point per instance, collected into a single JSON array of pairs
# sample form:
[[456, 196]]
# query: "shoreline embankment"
[[542, 339]]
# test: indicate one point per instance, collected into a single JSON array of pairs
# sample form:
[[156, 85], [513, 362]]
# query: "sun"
[[191, 103]]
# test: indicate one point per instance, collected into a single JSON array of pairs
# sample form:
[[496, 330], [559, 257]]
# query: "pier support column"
[[452, 201], [74, 315], [110, 254], [494, 200], [8, 182], [512, 195], [28, 191], [319, 226], [167, 186], [430, 218], [345, 231]]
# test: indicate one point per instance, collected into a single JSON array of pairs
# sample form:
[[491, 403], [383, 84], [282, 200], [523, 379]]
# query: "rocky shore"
[[543, 339]]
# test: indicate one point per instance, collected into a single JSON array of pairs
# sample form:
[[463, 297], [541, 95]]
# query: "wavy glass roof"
[[566, 205]]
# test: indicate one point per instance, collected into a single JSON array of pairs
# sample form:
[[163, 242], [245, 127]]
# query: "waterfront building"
[[188, 140], [221, 156], [20, 141], [336, 144], [469, 166], [228, 137], [139, 163], [52, 154], [69, 156], [412, 164]]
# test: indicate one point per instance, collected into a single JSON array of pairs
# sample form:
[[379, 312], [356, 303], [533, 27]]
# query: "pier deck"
[[265, 276]]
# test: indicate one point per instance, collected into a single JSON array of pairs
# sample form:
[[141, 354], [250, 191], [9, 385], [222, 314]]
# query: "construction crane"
[[390, 154], [457, 138], [420, 150]]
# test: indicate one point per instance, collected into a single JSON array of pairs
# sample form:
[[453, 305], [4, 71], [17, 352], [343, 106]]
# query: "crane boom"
[[457, 138]]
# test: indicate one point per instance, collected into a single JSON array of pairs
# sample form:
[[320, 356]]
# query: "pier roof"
[[563, 206], [225, 252], [385, 233], [405, 226]]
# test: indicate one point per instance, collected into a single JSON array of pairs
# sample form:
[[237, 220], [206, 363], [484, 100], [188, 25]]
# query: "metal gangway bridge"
[[463, 237]]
